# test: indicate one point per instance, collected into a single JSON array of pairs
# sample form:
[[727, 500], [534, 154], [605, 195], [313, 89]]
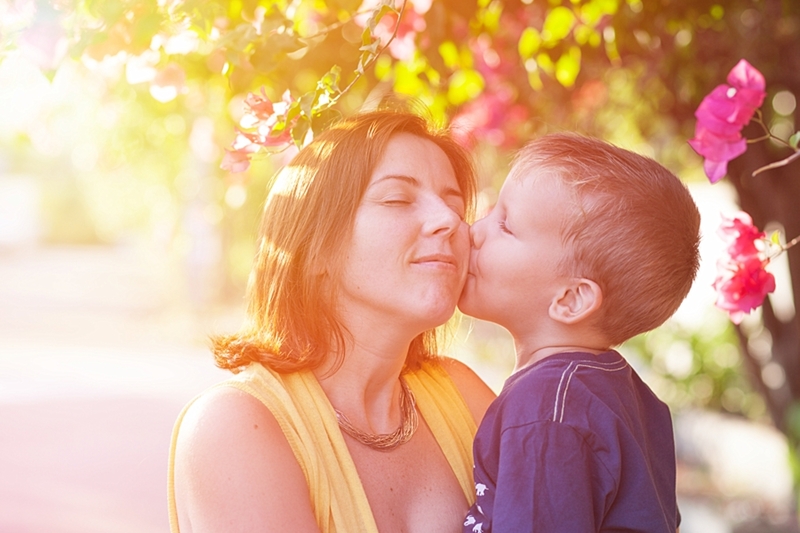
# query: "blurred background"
[[124, 244]]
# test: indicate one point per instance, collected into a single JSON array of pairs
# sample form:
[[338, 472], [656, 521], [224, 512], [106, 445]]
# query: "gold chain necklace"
[[387, 441]]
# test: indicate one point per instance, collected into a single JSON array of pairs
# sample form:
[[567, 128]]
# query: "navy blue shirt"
[[575, 443]]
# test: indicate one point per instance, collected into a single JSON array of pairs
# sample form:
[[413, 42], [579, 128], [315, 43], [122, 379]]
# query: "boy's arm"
[[548, 481]]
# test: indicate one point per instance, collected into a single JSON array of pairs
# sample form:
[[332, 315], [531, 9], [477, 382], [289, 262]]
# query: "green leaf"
[[558, 24], [366, 36], [793, 425], [293, 110], [585, 34], [299, 130], [794, 140], [433, 76], [529, 43], [146, 27], [372, 47], [407, 81], [464, 86], [322, 120], [593, 12], [383, 67], [535, 81], [568, 66], [385, 6], [305, 102], [343, 5], [329, 83], [449, 52], [545, 63], [489, 17]]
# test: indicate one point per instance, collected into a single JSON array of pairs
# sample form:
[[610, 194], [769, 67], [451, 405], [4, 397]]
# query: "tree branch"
[[777, 164]]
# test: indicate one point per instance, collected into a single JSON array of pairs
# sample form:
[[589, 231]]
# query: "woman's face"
[[407, 260]]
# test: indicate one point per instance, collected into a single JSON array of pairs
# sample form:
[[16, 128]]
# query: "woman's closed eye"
[[397, 201], [458, 209]]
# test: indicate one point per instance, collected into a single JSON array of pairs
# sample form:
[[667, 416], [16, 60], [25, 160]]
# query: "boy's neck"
[[527, 357]]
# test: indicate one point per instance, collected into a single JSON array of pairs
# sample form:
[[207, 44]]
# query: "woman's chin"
[[439, 316], [467, 303]]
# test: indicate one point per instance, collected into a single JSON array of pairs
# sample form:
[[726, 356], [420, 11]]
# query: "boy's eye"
[[504, 228]]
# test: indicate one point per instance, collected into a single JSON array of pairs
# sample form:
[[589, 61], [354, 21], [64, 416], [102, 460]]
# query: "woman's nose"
[[443, 218]]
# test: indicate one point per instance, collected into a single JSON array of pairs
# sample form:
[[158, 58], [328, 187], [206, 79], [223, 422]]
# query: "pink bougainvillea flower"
[[742, 282], [717, 151], [745, 76], [722, 115], [742, 286], [412, 24], [493, 117], [259, 122], [259, 105], [168, 83], [236, 160], [45, 44], [266, 137], [741, 236]]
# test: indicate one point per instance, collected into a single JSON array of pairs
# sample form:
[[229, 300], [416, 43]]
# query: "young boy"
[[588, 245]]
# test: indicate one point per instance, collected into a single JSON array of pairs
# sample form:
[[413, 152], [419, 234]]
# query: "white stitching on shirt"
[[596, 365], [558, 391]]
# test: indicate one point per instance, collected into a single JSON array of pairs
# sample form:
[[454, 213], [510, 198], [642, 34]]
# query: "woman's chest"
[[411, 489]]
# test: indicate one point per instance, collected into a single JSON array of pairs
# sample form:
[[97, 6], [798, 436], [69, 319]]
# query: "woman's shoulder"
[[230, 441], [473, 389]]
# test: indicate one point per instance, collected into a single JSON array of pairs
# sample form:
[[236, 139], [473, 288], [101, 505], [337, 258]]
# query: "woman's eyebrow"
[[401, 177], [448, 191]]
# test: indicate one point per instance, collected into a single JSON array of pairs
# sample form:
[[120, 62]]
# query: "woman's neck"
[[365, 386]]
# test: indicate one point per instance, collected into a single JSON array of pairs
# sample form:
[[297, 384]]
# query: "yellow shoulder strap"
[[446, 413]]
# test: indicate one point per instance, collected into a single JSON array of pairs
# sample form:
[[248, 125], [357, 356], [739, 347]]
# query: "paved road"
[[99, 350], [97, 357]]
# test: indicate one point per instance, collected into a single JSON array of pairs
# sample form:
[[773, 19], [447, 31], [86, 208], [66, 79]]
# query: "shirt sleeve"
[[549, 481]]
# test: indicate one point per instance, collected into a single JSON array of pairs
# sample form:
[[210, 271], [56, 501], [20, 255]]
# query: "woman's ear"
[[576, 301]]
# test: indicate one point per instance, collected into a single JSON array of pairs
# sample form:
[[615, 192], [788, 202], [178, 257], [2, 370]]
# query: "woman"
[[342, 419]]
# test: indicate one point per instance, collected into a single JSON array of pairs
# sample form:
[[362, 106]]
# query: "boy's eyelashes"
[[503, 227]]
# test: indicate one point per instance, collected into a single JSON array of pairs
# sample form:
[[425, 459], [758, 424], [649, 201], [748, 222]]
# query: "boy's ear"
[[576, 301]]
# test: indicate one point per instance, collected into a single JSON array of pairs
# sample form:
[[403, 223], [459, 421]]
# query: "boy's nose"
[[477, 233]]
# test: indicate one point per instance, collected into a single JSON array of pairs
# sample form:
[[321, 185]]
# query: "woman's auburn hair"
[[308, 217]]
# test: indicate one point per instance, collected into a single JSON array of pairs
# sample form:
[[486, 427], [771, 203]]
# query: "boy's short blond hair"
[[633, 228]]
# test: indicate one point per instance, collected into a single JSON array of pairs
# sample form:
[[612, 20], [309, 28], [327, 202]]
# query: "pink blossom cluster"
[[411, 25], [742, 282], [258, 130], [722, 115]]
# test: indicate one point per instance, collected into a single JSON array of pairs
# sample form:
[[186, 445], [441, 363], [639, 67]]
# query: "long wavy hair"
[[308, 217]]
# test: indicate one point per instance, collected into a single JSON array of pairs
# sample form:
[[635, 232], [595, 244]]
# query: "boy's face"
[[516, 250]]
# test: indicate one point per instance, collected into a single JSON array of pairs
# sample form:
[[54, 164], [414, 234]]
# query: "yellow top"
[[309, 423]]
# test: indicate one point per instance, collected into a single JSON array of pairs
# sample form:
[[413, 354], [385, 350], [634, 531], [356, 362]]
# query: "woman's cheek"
[[461, 248]]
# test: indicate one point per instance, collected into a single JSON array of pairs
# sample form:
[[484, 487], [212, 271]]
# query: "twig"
[[336, 25], [790, 243], [377, 55], [777, 164], [759, 139], [767, 134]]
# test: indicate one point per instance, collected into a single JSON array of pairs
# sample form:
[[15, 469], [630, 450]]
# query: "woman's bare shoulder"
[[475, 391], [235, 470]]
